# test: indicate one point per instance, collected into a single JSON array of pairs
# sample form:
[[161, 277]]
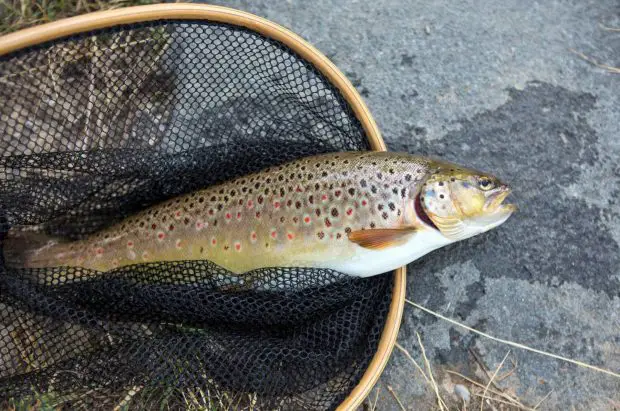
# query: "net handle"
[[188, 11]]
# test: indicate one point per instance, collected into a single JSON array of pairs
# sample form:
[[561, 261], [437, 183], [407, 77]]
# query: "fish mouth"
[[495, 201]]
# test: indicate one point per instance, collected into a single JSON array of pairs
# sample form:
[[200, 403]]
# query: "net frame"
[[187, 11]]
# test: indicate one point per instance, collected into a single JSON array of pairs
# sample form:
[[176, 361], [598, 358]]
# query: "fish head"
[[461, 203]]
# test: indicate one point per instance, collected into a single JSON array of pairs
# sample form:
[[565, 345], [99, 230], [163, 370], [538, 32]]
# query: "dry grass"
[[19, 14], [484, 394], [515, 344], [595, 62]]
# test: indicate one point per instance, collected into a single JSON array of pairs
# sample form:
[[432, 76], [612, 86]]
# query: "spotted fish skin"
[[301, 214]]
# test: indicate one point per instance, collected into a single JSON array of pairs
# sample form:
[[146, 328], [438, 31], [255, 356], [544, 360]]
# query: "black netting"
[[96, 127]]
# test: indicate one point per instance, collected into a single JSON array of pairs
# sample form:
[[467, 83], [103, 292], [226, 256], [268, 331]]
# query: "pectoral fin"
[[380, 239], [453, 228]]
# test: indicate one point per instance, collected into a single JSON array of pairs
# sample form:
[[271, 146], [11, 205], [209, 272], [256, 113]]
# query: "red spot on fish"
[[130, 244], [238, 246], [161, 235], [178, 244], [274, 234], [276, 204], [307, 219], [228, 216], [99, 251], [250, 204], [213, 241], [258, 214], [337, 193], [324, 197], [177, 215], [327, 222], [238, 216], [253, 236], [199, 225], [364, 203], [290, 236], [349, 211]]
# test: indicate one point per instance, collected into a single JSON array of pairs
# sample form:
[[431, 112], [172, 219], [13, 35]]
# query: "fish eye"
[[485, 183]]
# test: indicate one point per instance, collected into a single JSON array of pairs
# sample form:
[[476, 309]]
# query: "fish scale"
[[302, 213]]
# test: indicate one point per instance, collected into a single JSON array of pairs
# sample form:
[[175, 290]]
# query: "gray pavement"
[[492, 84]]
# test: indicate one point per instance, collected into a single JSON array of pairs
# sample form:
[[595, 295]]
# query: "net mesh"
[[94, 128]]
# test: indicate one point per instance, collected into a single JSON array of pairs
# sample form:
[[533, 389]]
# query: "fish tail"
[[29, 248]]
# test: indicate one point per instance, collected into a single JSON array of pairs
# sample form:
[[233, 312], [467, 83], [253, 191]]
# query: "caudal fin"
[[28, 248]]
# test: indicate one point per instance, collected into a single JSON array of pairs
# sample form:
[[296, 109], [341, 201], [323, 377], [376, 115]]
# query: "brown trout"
[[360, 213]]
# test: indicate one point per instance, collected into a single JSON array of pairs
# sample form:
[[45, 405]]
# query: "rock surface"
[[494, 85]]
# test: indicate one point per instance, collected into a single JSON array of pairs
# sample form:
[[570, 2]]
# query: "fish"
[[359, 213]]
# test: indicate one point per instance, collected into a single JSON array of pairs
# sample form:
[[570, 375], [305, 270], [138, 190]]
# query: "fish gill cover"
[[98, 126]]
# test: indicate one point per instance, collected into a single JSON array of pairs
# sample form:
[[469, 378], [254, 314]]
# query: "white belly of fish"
[[367, 262]]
